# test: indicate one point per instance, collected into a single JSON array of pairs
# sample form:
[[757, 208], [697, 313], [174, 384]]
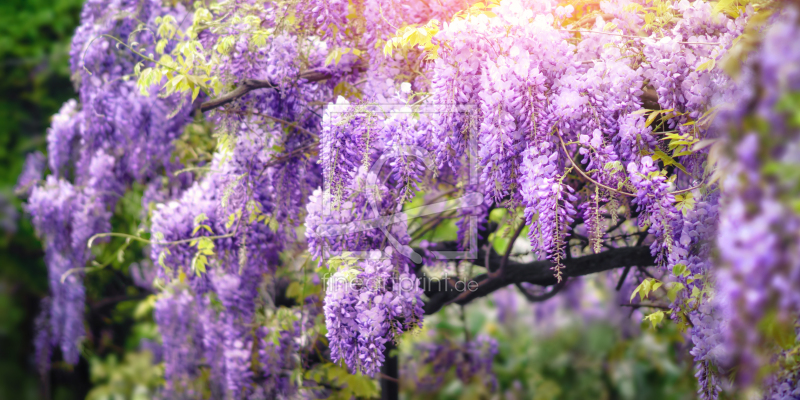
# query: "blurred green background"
[[34, 82]]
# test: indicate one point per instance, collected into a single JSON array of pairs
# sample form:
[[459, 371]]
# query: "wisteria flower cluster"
[[367, 306], [287, 151]]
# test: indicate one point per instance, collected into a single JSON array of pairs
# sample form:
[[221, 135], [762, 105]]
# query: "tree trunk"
[[390, 390]]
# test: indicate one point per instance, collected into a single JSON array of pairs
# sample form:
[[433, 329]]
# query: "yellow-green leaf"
[[673, 291], [650, 118], [708, 65], [655, 318]]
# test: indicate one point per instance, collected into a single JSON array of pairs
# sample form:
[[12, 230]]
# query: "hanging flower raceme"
[[759, 245], [176, 315], [656, 204], [548, 202], [367, 305], [472, 361], [52, 207]]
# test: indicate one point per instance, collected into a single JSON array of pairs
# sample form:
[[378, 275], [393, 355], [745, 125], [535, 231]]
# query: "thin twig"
[[633, 37], [278, 120], [646, 272], [659, 306], [504, 260], [622, 278], [586, 19], [583, 174]]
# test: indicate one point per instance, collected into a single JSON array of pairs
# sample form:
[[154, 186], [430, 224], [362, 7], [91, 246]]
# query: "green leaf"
[[655, 318], [352, 385], [144, 307], [200, 218], [652, 117], [730, 7], [294, 290], [667, 160], [614, 166], [199, 264], [648, 285], [656, 285], [638, 288], [198, 227], [678, 269], [684, 203], [205, 244], [708, 65], [673, 291], [695, 293], [273, 224]]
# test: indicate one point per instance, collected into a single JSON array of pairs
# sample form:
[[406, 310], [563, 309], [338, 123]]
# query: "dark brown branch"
[[534, 298], [622, 278], [659, 306], [645, 271], [511, 246], [249, 85], [650, 98], [108, 301], [536, 272]]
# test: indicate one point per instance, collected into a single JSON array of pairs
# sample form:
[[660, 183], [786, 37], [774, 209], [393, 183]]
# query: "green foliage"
[[706, 66], [684, 202], [733, 8], [648, 285], [410, 36], [336, 54], [205, 249], [568, 359], [34, 74], [34, 83], [135, 378], [187, 67], [359, 386], [479, 8], [507, 225], [655, 318]]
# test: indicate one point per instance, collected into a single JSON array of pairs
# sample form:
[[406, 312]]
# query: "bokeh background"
[[561, 349], [34, 82]]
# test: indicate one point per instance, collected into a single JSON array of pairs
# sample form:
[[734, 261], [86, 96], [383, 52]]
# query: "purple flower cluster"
[[548, 202], [96, 148], [32, 173], [560, 128], [471, 360], [367, 306], [656, 204], [176, 314], [52, 208], [759, 230]]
